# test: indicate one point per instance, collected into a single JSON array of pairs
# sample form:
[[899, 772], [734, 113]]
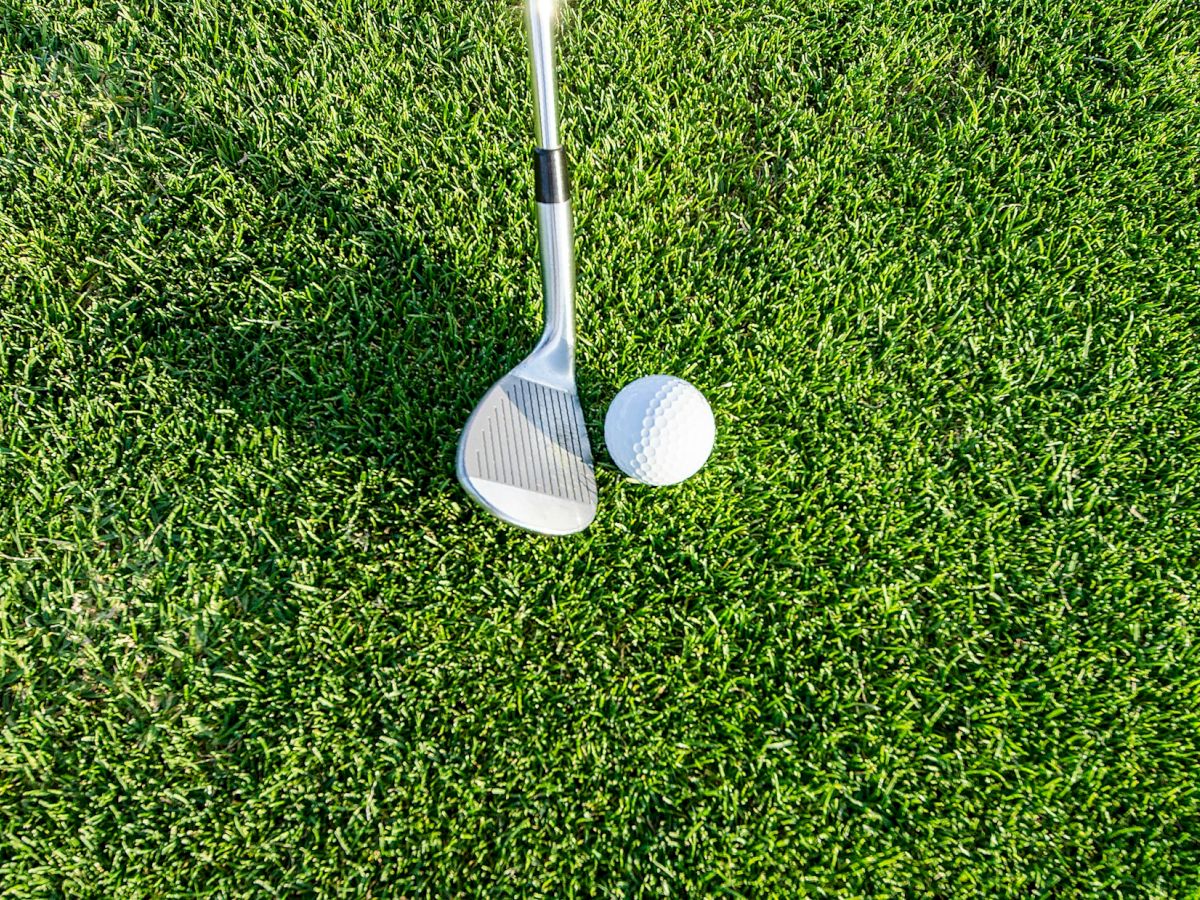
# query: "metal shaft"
[[542, 16], [556, 236]]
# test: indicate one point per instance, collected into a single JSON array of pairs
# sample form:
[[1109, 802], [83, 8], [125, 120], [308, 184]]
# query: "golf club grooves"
[[552, 471], [583, 472], [555, 412], [509, 437], [532, 439], [534, 450], [548, 470]]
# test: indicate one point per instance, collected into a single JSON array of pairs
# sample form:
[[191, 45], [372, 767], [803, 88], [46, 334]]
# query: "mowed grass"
[[926, 626]]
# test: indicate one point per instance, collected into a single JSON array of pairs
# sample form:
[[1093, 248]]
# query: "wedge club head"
[[524, 454]]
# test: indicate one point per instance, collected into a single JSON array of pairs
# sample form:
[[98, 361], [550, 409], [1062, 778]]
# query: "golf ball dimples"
[[660, 430]]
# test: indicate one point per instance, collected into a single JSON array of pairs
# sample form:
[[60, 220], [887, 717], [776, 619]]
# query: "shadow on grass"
[[341, 331]]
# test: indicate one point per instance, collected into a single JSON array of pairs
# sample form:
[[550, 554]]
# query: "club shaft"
[[541, 18], [555, 223], [555, 235]]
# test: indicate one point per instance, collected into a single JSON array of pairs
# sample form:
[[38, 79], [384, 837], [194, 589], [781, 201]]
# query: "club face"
[[525, 455]]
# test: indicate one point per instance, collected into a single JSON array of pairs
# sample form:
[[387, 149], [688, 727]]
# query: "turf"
[[926, 626]]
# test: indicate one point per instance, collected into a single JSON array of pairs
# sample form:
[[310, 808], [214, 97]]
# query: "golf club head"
[[524, 454]]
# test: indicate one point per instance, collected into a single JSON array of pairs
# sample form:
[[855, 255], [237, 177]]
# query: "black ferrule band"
[[550, 181]]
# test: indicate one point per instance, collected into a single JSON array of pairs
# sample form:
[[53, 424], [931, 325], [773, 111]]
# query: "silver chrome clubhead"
[[524, 453]]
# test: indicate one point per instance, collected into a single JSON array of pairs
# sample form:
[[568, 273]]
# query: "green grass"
[[926, 626]]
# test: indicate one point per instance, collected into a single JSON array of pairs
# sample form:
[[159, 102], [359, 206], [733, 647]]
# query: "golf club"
[[524, 453]]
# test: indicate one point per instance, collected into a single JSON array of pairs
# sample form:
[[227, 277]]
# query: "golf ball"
[[660, 430]]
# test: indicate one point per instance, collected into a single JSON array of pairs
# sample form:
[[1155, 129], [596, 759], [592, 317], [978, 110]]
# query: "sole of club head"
[[524, 455]]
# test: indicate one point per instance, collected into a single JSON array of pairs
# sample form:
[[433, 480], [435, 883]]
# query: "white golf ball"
[[660, 430]]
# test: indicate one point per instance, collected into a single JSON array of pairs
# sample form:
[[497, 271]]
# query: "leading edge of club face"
[[524, 454]]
